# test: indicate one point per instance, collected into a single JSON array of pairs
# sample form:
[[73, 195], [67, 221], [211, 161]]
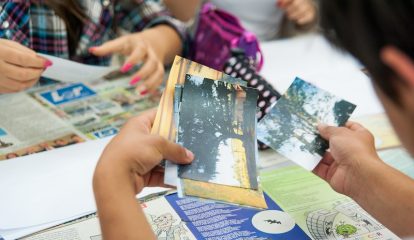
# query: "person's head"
[[379, 34]]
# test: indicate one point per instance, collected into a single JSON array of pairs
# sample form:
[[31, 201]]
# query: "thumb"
[[174, 152], [326, 131], [114, 46]]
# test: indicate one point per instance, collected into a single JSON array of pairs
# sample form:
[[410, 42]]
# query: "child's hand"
[[138, 51], [302, 12], [20, 67], [350, 149], [135, 153]]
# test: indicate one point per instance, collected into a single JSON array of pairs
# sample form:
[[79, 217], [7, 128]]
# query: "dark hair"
[[364, 27], [74, 17]]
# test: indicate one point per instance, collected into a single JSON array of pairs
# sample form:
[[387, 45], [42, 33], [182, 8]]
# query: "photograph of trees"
[[290, 126], [217, 121]]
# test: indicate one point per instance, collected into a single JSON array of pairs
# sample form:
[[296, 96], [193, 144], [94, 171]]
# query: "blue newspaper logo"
[[106, 132], [68, 94]]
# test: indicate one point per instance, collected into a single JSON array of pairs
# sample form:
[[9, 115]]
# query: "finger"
[[284, 3], [292, 7], [149, 66], [307, 18], [327, 158], [326, 131], [172, 151], [299, 12], [20, 73], [321, 170], [17, 46], [10, 85], [153, 82], [137, 56], [354, 126], [119, 45], [24, 59]]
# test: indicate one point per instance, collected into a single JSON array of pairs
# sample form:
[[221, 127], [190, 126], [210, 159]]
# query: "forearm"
[[165, 41], [182, 10], [120, 215], [388, 195]]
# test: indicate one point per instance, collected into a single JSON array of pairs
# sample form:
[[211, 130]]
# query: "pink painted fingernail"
[[126, 67], [92, 49], [48, 63], [134, 80], [145, 92]]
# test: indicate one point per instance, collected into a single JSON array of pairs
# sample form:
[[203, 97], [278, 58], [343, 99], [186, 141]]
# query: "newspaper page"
[[53, 116], [165, 222]]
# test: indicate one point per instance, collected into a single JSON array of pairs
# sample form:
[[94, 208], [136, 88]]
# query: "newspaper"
[[165, 222], [62, 114]]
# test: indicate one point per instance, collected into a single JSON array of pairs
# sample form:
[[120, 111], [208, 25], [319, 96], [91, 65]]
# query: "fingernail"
[[92, 49], [190, 155], [134, 80], [126, 67], [145, 92], [48, 63]]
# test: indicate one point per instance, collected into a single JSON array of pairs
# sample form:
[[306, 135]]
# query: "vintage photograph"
[[290, 127], [217, 121]]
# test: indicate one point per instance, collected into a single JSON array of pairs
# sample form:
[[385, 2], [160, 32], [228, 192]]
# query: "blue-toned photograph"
[[290, 127]]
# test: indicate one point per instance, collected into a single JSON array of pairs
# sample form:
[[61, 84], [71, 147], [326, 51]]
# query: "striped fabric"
[[33, 24]]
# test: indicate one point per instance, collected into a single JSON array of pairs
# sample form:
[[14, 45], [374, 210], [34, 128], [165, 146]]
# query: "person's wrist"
[[113, 170], [362, 175]]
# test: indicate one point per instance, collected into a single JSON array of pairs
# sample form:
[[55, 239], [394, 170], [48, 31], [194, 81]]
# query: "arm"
[[183, 10], [127, 165], [352, 167]]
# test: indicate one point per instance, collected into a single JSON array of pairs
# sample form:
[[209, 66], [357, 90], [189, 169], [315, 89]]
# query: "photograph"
[[217, 122], [290, 128]]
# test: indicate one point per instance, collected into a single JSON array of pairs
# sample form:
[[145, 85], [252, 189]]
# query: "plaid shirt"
[[33, 24]]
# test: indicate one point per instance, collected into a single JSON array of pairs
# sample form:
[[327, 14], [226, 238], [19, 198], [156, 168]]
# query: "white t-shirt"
[[262, 17]]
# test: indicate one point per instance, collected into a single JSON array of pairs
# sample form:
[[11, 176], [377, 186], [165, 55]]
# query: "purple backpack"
[[218, 34]]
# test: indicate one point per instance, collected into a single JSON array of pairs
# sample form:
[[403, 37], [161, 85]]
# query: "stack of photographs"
[[290, 128], [165, 125], [216, 120]]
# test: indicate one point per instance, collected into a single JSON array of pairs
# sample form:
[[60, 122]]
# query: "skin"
[[20, 67], [301, 12], [352, 166], [153, 47], [128, 164]]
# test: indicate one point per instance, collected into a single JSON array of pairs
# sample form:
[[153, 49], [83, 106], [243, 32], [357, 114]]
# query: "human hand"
[[350, 149], [302, 12], [20, 67], [136, 153], [138, 51]]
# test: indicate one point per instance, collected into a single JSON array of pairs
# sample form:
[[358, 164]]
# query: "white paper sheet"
[[69, 71], [313, 59], [49, 188]]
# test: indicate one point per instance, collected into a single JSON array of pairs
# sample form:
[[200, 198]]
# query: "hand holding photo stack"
[[217, 121]]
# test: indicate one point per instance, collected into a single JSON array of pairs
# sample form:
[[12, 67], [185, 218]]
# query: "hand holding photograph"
[[290, 127]]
